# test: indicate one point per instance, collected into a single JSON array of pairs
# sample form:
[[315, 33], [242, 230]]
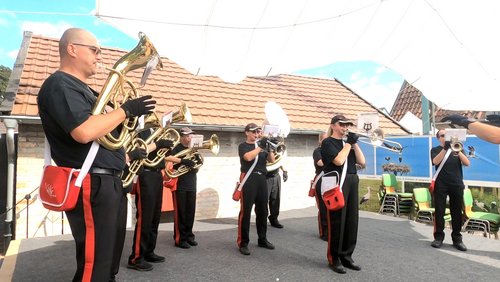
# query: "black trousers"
[[185, 209], [456, 194], [94, 225], [254, 192], [274, 195], [343, 224], [322, 212], [120, 235], [148, 201]]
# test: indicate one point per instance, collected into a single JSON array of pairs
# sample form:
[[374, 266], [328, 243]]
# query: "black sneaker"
[[437, 244], [154, 258], [192, 243], [275, 223], [183, 245], [266, 244], [140, 266], [245, 251], [460, 246]]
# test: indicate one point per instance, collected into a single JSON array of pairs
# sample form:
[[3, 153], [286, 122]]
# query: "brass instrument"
[[275, 115], [277, 145], [456, 145], [117, 89], [192, 154], [132, 143], [376, 138]]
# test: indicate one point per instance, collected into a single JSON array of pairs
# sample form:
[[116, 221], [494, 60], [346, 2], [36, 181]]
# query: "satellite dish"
[[276, 116]]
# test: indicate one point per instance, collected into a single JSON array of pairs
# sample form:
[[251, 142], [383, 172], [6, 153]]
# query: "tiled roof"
[[309, 102], [409, 99]]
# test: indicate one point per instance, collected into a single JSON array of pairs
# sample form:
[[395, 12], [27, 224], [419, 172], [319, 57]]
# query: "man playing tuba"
[[184, 197]]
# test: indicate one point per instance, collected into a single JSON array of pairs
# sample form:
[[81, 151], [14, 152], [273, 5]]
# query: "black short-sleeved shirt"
[[330, 148], [316, 158], [244, 148], [451, 173], [187, 181], [144, 134], [64, 103]]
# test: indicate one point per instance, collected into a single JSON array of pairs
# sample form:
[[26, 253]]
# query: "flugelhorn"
[[211, 144], [376, 138], [118, 89]]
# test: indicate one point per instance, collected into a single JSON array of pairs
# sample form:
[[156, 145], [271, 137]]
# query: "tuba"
[[118, 89], [151, 121], [192, 154], [275, 115]]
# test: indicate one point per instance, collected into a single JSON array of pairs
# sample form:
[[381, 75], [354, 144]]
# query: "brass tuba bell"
[[118, 89], [211, 144]]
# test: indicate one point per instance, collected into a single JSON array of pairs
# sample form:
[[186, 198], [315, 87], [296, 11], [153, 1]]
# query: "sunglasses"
[[256, 131], [96, 50], [441, 135]]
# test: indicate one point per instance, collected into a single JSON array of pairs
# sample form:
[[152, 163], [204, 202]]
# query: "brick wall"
[[216, 178]]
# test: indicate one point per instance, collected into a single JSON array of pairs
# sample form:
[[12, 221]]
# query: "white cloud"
[[380, 95], [45, 28], [13, 54]]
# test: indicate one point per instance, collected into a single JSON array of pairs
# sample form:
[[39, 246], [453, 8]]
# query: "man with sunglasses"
[[65, 103], [253, 157], [449, 182]]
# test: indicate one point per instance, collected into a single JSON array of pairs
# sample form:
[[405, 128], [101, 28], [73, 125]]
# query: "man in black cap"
[[184, 197], [343, 223], [253, 157]]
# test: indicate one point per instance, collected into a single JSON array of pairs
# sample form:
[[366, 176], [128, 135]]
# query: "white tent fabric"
[[447, 49]]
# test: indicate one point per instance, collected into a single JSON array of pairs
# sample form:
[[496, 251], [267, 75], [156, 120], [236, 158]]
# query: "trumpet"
[[455, 145], [376, 138]]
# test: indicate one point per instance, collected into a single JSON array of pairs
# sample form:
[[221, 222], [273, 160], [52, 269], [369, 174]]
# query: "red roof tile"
[[309, 102]]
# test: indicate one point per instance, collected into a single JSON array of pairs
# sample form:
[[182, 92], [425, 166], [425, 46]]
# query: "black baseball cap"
[[252, 126], [341, 119]]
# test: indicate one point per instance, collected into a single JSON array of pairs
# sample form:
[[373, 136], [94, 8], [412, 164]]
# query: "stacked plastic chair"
[[485, 222], [392, 201]]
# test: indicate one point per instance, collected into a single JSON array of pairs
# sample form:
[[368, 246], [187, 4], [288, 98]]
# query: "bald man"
[[65, 103]]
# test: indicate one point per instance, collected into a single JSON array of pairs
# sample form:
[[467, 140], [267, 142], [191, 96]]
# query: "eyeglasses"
[[96, 50]]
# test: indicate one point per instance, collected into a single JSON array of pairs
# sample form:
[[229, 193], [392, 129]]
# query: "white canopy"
[[447, 49]]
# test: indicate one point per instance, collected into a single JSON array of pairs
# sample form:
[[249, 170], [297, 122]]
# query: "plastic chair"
[[392, 201], [479, 221], [424, 212]]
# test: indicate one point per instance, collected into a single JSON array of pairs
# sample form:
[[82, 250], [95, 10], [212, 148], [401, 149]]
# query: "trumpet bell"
[[211, 144], [182, 115]]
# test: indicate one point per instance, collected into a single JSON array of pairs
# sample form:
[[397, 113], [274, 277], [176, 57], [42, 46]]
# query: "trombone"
[[376, 138]]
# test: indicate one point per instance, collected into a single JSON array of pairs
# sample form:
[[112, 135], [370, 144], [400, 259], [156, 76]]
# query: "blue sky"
[[375, 83]]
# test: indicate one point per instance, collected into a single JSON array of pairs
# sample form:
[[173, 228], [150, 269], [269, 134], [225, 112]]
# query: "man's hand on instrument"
[[285, 176], [352, 138], [447, 145], [458, 120], [139, 106], [187, 162], [262, 143], [164, 143], [137, 154]]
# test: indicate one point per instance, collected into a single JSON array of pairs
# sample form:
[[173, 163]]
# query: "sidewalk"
[[388, 249]]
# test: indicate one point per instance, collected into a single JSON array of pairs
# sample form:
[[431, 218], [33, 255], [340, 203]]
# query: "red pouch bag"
[[431, 186], [170, 183], [334, 199], [237, 192], [312, 190], [57, 189]]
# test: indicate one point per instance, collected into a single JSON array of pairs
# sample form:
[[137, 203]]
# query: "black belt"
[[258, 172], [153, 169], [107, 171]]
